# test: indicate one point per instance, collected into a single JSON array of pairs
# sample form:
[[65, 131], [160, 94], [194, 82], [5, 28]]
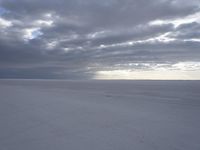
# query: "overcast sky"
[[100, 39]]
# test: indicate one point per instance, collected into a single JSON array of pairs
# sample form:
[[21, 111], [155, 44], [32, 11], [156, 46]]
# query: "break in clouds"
[[85, 39]]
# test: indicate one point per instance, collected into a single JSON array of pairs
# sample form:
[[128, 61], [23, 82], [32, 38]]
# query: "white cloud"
[[187, 66], [178, 21], [163, 38], [43, 22], [5, 23], [67, 49], [31, 33], [191, 40], [51, 45], [96, 34], [48, 15]]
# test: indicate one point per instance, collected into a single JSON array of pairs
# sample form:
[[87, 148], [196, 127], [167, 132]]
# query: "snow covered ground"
[[99, 115]]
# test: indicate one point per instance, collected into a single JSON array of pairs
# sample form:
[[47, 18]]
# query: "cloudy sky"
[[100, 39]]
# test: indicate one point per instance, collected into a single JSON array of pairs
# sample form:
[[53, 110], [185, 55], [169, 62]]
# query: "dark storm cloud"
[[75, 38]]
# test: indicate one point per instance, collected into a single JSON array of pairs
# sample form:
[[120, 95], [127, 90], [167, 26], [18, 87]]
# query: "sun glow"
[[178, 71]]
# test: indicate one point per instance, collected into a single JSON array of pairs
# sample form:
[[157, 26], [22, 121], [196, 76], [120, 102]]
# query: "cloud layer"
[[77, 39]]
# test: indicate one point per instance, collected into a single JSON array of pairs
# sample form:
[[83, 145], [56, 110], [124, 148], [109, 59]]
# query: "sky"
[[100, 39]]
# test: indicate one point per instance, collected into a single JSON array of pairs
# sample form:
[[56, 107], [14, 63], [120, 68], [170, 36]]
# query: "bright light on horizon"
[[178, 71], [147, 75]]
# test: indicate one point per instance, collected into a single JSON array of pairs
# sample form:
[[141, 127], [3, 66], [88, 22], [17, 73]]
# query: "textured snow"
[[99, 115]]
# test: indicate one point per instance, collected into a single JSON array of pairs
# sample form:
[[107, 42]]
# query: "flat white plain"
[[99, 115]]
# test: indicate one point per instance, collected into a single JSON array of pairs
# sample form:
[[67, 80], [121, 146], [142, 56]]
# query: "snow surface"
[[99, 115]]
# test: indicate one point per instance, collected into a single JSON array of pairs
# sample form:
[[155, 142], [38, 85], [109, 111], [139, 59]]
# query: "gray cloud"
[[75, 38]]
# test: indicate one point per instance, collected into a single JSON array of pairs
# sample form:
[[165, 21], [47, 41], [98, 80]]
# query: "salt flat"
[[99, 115]]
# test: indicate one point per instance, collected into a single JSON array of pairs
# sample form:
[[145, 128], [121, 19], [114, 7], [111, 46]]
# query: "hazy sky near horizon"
[[100, 39]]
